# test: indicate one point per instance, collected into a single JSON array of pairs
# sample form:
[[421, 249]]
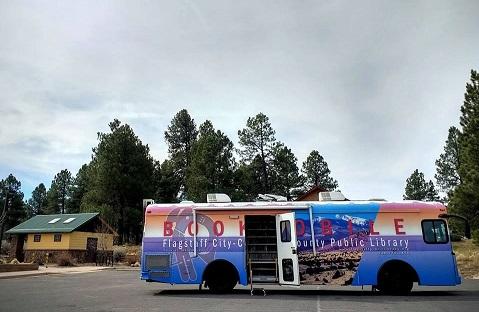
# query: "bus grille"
[[158, 262], [156, 275]]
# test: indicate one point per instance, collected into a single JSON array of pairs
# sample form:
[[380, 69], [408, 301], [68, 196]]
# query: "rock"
[[349, 281], [337, 274]]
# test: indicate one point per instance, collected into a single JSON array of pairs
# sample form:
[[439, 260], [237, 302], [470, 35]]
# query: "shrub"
[[475, 237], [38, 257], [5, 247], [456, 237], [64, 259], [119, 253]]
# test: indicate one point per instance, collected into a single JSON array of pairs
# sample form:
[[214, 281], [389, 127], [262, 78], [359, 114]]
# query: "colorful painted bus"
[[388, 245]]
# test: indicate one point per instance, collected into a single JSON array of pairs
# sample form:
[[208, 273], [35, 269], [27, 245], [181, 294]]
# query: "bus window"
[[434, 231], [285, 227]]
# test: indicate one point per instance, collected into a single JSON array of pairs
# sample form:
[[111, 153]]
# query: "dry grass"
[[133, 250], [127, 253], [467, 256]]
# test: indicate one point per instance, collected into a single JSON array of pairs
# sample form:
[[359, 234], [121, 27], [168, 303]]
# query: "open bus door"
[[287, 250]]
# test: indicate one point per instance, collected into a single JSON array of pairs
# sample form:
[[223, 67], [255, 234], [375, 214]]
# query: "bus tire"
[[220, 277], [396, 278]]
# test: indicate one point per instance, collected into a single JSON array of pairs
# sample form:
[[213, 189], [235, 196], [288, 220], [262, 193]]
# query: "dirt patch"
[[18, 267], [467, 256]]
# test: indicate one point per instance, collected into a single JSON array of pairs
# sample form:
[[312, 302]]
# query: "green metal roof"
[[47, 223]]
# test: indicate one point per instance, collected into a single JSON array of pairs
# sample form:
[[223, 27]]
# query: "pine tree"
[[59, 193], [78, 189], [15, 209], [212, 164], [431, 192], [285, 171], [38, 203], [418, 189], [167, 182], [447, 165], [247, 180], [120, 176], [257, 141], [465, 198], [180, 137], [317, 173]]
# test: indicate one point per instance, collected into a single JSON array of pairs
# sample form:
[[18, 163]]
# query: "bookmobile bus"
[[388, 245]]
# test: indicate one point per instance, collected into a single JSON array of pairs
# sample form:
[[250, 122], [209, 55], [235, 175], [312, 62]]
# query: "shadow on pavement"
[[298, 294]]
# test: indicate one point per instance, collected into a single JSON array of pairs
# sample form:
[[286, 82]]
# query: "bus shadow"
[[312, 294]]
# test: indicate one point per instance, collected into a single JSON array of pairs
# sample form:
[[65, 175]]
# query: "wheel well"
[[220, 267], [401, 266]]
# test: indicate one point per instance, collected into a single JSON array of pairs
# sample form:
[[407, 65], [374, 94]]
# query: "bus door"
[[287, 250]]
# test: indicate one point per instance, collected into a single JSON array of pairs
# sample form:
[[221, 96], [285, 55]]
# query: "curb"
[[134, 269], [39, 273], [27, 275]]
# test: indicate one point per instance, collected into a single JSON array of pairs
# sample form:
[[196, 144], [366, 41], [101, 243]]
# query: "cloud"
[[373, 86]]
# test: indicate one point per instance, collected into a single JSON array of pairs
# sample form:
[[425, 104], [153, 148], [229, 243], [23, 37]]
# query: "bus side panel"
[[218, 237], [433, 264], [341, 234], [399, 237]]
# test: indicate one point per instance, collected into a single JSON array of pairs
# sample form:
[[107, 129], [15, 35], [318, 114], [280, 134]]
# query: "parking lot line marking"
[[318, 306]]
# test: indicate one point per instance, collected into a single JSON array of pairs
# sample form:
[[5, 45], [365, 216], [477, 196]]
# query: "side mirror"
[[467, 227]]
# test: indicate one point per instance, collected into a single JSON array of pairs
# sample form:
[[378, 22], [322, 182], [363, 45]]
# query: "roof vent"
[[148, 201], [54, 220], [331, 196], [218, 198], [187, 202], [271, 197]]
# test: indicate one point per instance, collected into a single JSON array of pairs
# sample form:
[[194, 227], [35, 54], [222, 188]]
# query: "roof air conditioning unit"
[[218, 198], [331, 196]]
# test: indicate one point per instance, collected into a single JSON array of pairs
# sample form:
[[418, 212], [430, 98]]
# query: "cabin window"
[[434, 231], [285, 227], [37, 238], [57, 237]]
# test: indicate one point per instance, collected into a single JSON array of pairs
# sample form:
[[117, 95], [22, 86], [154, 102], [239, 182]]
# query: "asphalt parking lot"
[[123, 291]]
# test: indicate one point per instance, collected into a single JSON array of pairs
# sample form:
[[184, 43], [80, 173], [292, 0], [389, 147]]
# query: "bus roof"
[[324, 206]]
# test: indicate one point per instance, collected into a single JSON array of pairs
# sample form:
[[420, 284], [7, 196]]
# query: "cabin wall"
[[78, 240], [47, 242]]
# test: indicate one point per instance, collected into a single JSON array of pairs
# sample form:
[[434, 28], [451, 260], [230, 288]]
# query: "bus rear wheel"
[[396, 278], [220, 277]]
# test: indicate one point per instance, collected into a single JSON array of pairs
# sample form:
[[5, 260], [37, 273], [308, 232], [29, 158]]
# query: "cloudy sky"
[[374, 86]]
